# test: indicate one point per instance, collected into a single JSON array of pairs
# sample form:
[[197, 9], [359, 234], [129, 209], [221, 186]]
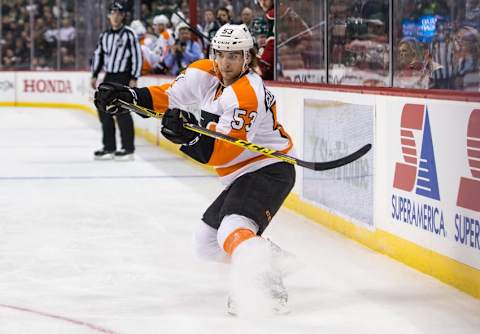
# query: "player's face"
[[230, 64], [158, 28]]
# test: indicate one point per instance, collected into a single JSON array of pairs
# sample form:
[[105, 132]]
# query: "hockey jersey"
[[245, 110], [162, 44]]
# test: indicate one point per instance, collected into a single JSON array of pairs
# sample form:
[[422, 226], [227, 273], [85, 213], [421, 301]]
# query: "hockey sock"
[[236, 238]]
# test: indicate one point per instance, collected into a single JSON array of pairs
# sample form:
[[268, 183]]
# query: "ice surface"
[[106, 247]]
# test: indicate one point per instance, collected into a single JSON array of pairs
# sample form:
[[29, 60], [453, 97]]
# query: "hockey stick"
[[251, 146]]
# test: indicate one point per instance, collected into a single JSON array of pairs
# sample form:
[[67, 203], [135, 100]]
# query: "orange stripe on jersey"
[[224, 152], [165, 35], [278, 126], [146, 67], [159, 97], [229, 170], [205, 65]]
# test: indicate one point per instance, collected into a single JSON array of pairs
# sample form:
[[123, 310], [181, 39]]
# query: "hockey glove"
[[108, 92], [172, 126]]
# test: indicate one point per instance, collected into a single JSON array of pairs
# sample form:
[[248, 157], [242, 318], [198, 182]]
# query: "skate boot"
[[124, 155], [103, 154]]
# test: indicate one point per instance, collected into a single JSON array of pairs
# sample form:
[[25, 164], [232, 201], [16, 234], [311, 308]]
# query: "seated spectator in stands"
[[66, 34], [22, 52], [223, 16], [210, 27], [67, 59], [266, 59], [411, 71], [40, 64], [260, 33], [67, 31], [466, 65], [9, 60], [247, 18], [184, 52]]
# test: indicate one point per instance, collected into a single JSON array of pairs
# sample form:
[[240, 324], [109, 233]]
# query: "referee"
[[118, 53]]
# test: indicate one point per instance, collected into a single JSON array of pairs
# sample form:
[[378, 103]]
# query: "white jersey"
[[162, 44], [244, 110]]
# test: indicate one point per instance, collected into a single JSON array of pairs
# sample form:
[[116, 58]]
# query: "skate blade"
[[128, 157], [104, 157]]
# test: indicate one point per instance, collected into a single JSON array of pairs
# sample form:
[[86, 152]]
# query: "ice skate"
[[103, 155], [257, 280], [273, 283], [124, 155]]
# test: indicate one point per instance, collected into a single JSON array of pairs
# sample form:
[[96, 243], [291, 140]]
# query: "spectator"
[[67, 59], [9, 60], [266, 61], [184, 52], [210, 27], [247, 18], [465, 59], [411, 71], [223, 16]]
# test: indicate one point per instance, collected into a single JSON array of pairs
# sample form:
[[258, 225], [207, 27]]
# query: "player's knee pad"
[[206, 245], [233, 230]]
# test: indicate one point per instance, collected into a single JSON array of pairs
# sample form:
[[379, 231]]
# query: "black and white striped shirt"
[[118, 51]]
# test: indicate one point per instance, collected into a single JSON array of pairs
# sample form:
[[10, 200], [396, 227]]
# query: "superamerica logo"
[[469, 190], [417, 173], [467, 226]]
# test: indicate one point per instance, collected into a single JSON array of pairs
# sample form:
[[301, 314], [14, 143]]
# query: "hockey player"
[[234, 101], [164, 41], [150, 59]]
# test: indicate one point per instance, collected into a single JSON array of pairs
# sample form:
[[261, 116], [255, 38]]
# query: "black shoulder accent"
[[144, 98], [202, 150]]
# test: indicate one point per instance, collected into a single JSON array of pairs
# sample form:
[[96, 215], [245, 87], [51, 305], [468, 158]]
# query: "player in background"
[[118, 54], [150, 59], [234, 101], [163, 43]]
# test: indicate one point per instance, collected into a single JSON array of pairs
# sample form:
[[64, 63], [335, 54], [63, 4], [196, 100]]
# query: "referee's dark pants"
[[124, 120]]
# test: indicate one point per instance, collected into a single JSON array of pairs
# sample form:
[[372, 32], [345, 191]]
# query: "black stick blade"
[[336, 163]]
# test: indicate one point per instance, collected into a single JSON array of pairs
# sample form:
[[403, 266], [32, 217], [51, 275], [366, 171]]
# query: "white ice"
[[106, 247]]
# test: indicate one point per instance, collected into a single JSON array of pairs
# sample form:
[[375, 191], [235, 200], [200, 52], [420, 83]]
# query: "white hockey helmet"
[[138, 28], [160, 19], [233, 37]]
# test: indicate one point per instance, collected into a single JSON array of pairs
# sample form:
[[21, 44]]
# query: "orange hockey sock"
[[236, 238]]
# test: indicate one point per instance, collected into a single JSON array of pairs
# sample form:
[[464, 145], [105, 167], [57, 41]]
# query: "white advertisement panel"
[[53, 87], [333, 130], [430, 181], [7, 87]]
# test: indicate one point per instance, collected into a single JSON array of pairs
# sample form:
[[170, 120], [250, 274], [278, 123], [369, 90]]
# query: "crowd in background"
[[53, 30], [436, 43], [170, 43]]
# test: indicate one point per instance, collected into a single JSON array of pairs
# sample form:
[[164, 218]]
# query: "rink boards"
[[414, 197]]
